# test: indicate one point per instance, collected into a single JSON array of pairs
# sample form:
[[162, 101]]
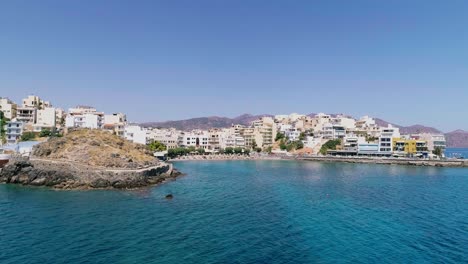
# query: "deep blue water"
[[456, 152], [248, 212]]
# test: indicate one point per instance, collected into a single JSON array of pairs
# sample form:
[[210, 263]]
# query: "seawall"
[[392, 161]]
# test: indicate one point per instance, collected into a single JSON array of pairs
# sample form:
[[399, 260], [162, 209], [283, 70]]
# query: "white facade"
[[386, 139], [26, 115], [136, 134], [293, 134], [46, 117], [8, 108], [33, 101], [84, 117], [197, 139], [14, 130], [168, 137], [433, 141]]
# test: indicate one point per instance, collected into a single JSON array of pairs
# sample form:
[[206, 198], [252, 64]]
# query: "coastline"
[[390, 161], [67, 175], [220, 157], [360, 160]]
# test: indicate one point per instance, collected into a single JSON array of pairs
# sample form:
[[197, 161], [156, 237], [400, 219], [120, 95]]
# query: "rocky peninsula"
[[88, 159]]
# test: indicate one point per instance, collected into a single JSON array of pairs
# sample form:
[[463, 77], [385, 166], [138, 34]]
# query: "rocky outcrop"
[[66, 175], [88, 159]]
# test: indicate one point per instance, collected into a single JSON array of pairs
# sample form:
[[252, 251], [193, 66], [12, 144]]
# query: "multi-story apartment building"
[[33, 101], [14, 130], [27, 115], [387, 135], [330, 131], [84, 117], [116, 123], [263, 133], [46, 119], [319, 120], [409, 147], [169, 137], [136, 134], [8, 108], [197, 139], [433, 141]]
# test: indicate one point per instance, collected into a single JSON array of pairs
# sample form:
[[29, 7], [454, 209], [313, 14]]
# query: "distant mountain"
[[205, 122], [414, 129], [457, 139]]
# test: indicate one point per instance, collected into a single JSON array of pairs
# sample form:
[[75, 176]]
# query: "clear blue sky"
[[404, 61]]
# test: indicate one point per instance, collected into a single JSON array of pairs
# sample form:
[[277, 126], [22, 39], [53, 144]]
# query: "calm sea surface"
[[248, 212], [457, 152]]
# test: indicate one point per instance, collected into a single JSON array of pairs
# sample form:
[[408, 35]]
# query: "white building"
[[319, 121], [197, 139], [33, 101], [433, 141], [14, 130], [136, 134], [116, 123], [84, 117], [46, 117], [347, 122], [26, 115], [293, 134], [8, 108], [387, 135], [168, 137]]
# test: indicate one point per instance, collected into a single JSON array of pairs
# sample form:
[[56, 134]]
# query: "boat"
[[4, 158]]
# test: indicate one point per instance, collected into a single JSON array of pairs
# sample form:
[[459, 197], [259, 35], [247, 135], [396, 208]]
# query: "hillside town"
[[35, 119]]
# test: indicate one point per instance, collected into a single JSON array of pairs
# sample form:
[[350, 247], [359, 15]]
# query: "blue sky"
[[403, 61]]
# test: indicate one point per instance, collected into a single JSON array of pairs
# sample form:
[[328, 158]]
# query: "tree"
[[330, 144], [201, 151], [45, 133], [302, 136], [283, 145], [280, 136], [437, 151], [299, 145], [229, 150], [268, 149], [191, 149], [27, 136], [177, 152], [254, 144], [157, 146], [238, 150], [2, 127], [258, 150]]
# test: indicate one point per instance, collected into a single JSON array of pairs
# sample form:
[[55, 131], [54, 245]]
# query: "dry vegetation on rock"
[[95, 148]]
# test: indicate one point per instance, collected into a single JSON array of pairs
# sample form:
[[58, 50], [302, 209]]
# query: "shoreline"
[[66, 175], [391, 161], [359, 160], [222, 157]]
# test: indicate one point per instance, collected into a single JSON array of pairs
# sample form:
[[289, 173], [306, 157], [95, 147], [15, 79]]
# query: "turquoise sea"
[[456, 153], [248, 212]]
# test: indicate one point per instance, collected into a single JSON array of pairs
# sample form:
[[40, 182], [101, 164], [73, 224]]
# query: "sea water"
[[248, 212]]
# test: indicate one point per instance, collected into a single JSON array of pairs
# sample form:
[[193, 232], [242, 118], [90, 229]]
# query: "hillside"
[[205, 122], [457, 139], [414, 129], [95, 148]]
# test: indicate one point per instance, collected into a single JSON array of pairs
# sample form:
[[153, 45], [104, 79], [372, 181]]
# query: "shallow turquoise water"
[[248, 212]]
